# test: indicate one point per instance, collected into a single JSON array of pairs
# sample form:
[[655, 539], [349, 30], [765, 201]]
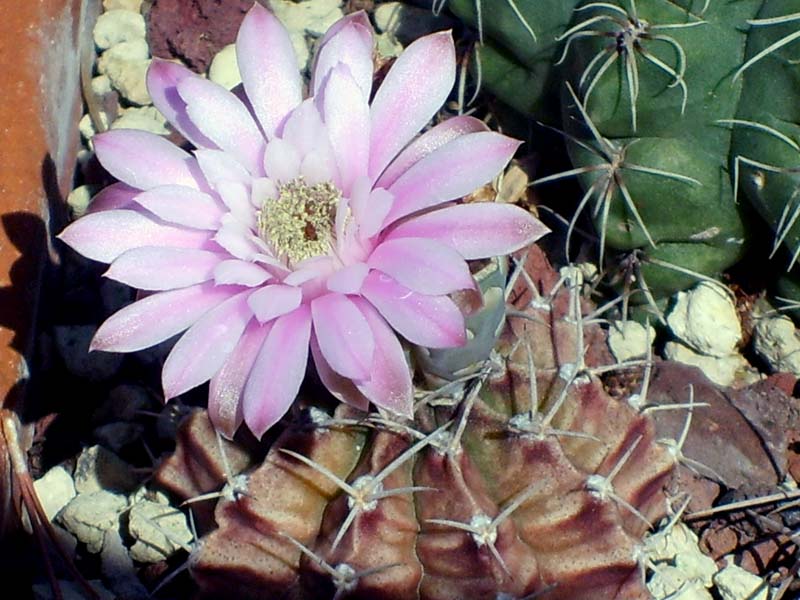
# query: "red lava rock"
[[702, 492], [194, 30], [352, 6], [793, 457], [758, 556], [719, 541], [729, 444], [772, 412]]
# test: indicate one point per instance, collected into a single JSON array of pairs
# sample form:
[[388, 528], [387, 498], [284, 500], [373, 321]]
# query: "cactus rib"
[[611, 179], [777, 45], [630, 32]]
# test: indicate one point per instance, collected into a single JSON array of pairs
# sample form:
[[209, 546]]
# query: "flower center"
[[299, 223]]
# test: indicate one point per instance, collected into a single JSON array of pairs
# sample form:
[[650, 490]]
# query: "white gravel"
[[116, 26], [705, 319]]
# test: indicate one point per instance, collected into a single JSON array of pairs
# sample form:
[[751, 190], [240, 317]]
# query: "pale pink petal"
[[163, 78], [451, 171], [432, 321], [434, 138], [269, 67], [239, 272], [311, 268], [103, 236], [300, 276], [150, 268], [281, 161], [225, 391], [203, 349], [304, 128], [262, 189], [236, 239], [413, 91], [342, 388], [423, 265], [144, 160], [274, 301], [236, 197], [218, 166], [223, 118], [116, 195], [348, 280], [346, 114], [183, 206], [389, 384], [349, 42], [341, 222], [277, 371], [350, 248], [343, 334], [477, 230], [319, 166], [158, 317], [370, 217]]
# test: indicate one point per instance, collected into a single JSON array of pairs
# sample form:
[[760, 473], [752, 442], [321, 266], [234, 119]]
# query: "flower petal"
[[423, 265], [451, 171], [203, 349], [414, 89], [277, 371], [434, 138], [304, 128], [432, 321], [369, 207], [342, 388], [236, 239], [274, 301], [319, 167], [348, 280], [343, 335], [103, 236], [183, 206], [239, 272], [281, 161], [477, 230], [389, 385], [163, 77], [236, 197], [346, 114], [151, 268], [269, 67], [116, 195], [225, 391], [349, 42], [224, 119], [144, 160], [218, 166], [261, 190], [158, 317]]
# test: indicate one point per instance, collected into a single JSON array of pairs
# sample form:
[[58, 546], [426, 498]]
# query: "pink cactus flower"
[[318, 224]]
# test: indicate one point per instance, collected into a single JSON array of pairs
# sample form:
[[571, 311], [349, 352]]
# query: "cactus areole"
[[325, 223]]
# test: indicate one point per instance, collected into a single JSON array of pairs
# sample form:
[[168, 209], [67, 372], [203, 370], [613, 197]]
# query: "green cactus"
[[766, 132], [521, 477], [655, 94], [661, 102], [518, 50]]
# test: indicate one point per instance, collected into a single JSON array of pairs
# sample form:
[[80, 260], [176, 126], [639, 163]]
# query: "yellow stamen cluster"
[[299, 223]]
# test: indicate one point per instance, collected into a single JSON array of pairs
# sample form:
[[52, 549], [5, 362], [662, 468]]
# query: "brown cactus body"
[[529, 481]]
